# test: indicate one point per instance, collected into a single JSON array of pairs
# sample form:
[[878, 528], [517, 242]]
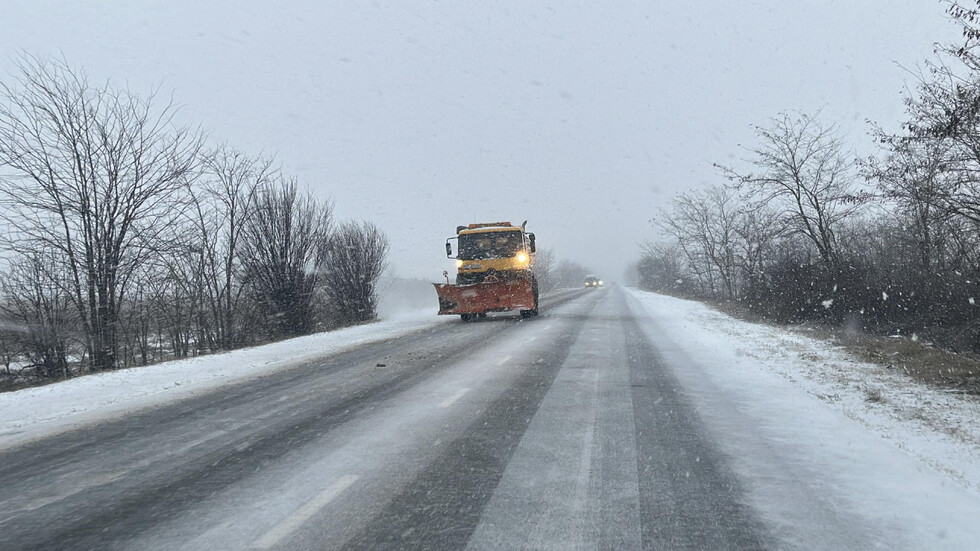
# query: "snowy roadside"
[[939, 428], [37, 412]]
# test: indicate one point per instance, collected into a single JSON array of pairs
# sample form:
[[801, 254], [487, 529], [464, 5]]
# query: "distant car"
[[592, 281]]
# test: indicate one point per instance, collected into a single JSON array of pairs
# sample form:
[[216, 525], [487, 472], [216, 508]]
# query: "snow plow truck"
[[494, 272]]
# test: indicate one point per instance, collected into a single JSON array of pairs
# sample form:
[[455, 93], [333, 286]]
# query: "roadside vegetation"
[[802, 232], [554, 273], [129, 239]]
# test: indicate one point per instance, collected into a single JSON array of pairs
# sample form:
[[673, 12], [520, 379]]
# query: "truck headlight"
[[522, 258]]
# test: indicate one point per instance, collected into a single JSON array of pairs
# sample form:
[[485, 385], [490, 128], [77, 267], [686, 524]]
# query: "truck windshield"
[[476, 246]]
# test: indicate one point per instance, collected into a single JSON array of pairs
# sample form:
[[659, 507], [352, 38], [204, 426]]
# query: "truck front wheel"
[[533, 311]]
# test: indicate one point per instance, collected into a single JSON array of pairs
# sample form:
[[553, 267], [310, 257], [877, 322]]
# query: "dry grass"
[[873, 395], [920, 360]]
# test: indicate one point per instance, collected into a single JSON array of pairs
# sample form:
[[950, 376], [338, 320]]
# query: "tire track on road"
[[442, 507]]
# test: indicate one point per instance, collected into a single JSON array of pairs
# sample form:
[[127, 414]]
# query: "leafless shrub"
[[354, 258], [282, 254], [35, 300]]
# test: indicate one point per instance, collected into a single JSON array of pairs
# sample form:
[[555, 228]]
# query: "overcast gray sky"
[[581, 117]]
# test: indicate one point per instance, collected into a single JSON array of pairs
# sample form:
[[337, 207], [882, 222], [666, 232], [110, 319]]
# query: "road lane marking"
[[503, 361], [93, 481], [301, 515], [449, 401], [101, 479]]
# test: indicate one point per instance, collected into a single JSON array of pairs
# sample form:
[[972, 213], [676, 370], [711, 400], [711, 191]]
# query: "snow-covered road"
[[617, 419]]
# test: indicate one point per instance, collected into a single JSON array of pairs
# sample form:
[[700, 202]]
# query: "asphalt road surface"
[[565, 431]]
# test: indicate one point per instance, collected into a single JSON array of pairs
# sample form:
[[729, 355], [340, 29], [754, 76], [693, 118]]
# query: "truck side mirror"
[[530, 238], [449, 249]]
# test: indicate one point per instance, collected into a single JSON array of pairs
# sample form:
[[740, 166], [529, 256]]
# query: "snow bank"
[[42, 411]]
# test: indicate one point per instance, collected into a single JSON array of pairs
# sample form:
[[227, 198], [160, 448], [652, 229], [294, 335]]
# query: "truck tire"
[[534, 287], [533, 311]]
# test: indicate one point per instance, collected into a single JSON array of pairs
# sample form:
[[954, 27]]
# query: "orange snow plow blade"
[[498, 296]]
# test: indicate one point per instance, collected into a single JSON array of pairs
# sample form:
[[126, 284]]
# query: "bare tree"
[[221, 212], [544, 268], [93, 174], [804, 174], [355, 257], [758, 231], [660, 267], [942, 138], [705, 225], [914, 175], [967, 15], [282, 253], [568, 273]]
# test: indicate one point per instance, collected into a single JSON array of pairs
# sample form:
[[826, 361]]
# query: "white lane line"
[[503, 361], [99, 479], [449, 401], [301, 515]]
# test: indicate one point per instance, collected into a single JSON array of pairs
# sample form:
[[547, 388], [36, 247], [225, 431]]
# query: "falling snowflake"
[[827, 303], [884, 295]]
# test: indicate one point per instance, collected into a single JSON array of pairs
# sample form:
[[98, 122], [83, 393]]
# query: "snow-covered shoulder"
[[940, 428], [37, 412]]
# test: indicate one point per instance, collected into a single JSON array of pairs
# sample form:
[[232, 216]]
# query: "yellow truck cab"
[[496, 249]]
